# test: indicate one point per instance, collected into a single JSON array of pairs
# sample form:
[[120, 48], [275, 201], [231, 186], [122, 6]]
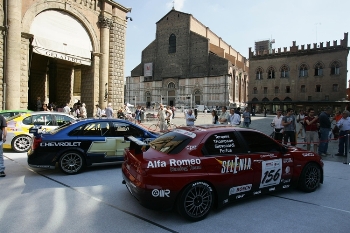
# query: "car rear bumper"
[[41, 160], [151, 197]]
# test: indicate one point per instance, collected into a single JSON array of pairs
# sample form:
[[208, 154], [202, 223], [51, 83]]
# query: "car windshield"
[[171, 143], [56, 130]]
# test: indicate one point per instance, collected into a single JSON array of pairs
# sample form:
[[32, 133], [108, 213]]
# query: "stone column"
[[13, 56], [105, 24]]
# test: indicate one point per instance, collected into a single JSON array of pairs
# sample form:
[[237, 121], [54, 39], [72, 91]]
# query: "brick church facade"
[[188, 64]]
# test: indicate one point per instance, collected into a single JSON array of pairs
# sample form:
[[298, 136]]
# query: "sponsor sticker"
[[161, 193], [271, 173], [240, 189], [308, 154], [257, 192], [194, 147], [288, 160], [185, 132]]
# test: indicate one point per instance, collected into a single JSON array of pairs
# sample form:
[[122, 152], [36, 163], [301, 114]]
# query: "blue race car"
[[78, 144]]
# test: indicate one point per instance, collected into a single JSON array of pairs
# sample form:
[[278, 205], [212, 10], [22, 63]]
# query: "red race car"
[[199, 167]]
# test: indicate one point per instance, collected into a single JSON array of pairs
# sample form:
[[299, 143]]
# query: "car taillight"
[[140, 171], [36, 142]]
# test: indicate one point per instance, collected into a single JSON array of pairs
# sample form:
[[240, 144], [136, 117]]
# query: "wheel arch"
[[62, 152], [17, 136], [312, 162], [212, 186]]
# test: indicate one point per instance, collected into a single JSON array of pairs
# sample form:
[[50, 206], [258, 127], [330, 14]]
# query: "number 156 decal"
[[271, 173]]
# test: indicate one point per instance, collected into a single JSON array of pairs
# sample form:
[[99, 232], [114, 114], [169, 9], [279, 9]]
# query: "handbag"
[[278, 130]]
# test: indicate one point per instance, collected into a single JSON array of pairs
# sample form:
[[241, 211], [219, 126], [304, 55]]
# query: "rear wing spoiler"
[[36, 130], [137, 145]]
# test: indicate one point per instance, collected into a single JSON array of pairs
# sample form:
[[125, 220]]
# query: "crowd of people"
[[313, 129]]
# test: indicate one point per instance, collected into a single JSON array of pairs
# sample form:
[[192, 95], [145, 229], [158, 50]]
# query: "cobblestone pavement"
[[259, 122]]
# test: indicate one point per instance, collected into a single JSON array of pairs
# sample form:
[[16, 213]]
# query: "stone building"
[[299, 78], [188, 64], [62, 51]]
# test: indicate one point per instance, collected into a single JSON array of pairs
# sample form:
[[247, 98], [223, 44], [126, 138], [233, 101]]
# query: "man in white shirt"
[[162, 116], [66, 109], [277, 126], [235, 118], [224, 117], [190, 118]]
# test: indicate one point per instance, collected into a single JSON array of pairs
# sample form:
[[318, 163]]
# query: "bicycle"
[[156, 127]]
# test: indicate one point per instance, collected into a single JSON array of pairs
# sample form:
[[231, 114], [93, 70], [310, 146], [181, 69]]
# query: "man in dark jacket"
[[325, 128]]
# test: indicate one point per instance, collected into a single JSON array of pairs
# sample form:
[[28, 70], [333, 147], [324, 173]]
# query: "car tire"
[[195, 201], [310, 178], [71, 162], [21, 143]]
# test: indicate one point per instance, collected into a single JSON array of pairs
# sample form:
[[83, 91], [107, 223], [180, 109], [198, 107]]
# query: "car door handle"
[[257, 161]]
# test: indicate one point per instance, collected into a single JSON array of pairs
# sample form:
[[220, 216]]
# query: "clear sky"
[[241, 23]]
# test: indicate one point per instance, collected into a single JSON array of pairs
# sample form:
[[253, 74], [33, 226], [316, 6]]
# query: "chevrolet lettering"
[[60, 143]]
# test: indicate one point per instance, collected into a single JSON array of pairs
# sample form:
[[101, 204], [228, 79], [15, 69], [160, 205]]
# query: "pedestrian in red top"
[[311, 129]]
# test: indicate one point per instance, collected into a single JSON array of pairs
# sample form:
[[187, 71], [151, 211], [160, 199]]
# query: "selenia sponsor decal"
[[240, 189], [236, 165], [60, 143]]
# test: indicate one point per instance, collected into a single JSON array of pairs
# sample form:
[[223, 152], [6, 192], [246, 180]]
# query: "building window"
[[171, 85], [335, 68], [284, 71], [302, 89], [270, 73], [287, 89], [318, 69], [172, 44], [318, 88], [326, 97], [265, 90], [335, 88], [309, 98], [255, 90], [259, 72], [277, 90], [303, 70]]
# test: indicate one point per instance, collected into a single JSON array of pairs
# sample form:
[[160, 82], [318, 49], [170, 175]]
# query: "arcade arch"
[[60, 59]]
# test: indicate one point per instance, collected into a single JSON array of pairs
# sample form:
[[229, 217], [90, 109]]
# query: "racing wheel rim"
[[71, 163], [22, 143], [312, 177], [198, 201]]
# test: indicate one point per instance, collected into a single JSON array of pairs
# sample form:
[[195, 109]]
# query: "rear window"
[[171, 143], [58, 129]]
